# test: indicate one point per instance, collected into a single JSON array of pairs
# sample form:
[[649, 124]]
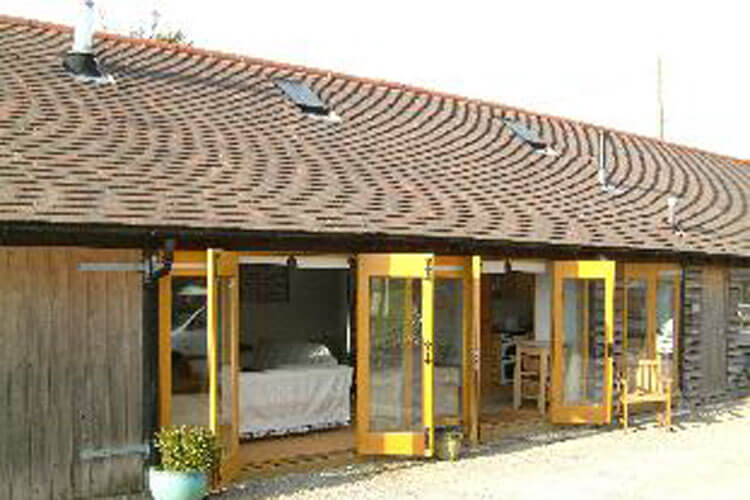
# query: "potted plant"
[[189, 457], [448, 442]]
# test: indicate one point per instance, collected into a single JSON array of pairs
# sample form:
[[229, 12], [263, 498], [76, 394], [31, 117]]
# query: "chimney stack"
[[80, 61], [84, 33]]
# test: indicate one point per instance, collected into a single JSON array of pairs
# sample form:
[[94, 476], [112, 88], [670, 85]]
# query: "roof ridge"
[[197, 51]]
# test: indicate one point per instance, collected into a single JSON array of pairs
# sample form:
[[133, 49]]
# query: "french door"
[[198, 345], [395, 355], [222, 277], [417, 350], [651, 316], [583, 305]]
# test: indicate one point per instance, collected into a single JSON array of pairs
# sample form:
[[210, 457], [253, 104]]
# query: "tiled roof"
[[197, 139]]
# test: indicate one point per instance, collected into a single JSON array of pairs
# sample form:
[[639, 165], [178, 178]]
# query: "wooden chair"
[[649, 387]]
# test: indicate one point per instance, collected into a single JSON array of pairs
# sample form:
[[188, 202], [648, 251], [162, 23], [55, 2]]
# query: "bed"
[[293, 387]]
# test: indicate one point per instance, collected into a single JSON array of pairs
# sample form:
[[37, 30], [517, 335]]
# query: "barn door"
[[395, 357], [582, 342]]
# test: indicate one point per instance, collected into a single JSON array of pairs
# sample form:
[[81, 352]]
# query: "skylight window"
[[524, 133], [301, 95]]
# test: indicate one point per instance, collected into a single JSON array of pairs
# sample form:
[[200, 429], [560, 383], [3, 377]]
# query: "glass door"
[[651, 318], [222, 340], [395, 355], [581, 386], [456, 332]]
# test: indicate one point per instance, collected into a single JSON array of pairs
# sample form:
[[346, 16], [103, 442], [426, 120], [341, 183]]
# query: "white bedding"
[[294, 398]]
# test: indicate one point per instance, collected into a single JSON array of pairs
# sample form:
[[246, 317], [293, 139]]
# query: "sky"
[[594, 61]]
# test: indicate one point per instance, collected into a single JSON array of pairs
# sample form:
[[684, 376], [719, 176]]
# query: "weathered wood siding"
[[713, 331], [738, 335], [70, 374], [715, 347]]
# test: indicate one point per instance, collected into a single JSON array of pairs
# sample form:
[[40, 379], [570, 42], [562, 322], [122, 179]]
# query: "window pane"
[[666, 321], [189, 353], [224, 337], [449, 323], [395, 354], [637, 321], [583, 341]]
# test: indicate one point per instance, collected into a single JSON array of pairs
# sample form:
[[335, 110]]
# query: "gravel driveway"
[[706, 456]]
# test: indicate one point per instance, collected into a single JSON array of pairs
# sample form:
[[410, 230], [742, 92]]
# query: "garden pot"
[[448, 446], [170, 485]]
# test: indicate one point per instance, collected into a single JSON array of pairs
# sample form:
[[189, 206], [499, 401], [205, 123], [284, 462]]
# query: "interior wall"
[[316, 311], [513, 302], [543, 306]]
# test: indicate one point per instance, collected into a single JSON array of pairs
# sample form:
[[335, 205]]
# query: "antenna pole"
[[660, 98]]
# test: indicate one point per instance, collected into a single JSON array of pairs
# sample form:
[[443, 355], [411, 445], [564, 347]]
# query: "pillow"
[[275, 354]]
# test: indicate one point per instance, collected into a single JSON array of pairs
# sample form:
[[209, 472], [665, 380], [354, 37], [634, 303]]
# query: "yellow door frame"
[[416, 266], [600, 413], [469, 270]]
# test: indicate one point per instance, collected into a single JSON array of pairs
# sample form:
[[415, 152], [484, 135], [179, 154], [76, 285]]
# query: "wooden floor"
[[279, 455], [275, 455]]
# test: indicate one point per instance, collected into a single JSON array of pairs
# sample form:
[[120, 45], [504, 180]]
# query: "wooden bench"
[[649, 387]]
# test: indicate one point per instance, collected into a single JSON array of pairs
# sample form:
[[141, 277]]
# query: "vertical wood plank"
[[713, 331], [38, 275], [19, 438], [64, 358], [6, 469], [97, 326], [82, 378], [133, 308], [116, 372]]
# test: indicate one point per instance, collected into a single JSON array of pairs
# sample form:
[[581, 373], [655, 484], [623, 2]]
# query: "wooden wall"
[[713, 331], [71, 422], [715, 347], [738, 335]]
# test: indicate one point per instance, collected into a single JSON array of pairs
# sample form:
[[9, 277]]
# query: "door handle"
[[428, 352]]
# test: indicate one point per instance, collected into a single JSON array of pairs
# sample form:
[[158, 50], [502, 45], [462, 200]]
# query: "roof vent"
[[80, 61], [671, 206], [526, 134]]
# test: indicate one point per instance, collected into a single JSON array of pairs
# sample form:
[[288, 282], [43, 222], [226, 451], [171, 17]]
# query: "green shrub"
[[187, 448]]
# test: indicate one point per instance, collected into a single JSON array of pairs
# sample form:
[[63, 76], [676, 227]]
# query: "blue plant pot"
[[170, 485]]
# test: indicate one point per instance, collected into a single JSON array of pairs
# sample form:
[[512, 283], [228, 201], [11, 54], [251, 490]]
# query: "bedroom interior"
[[295, 372], [295, 349]]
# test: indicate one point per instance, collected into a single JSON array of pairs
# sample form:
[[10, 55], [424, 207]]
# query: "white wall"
[[543, 306]]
